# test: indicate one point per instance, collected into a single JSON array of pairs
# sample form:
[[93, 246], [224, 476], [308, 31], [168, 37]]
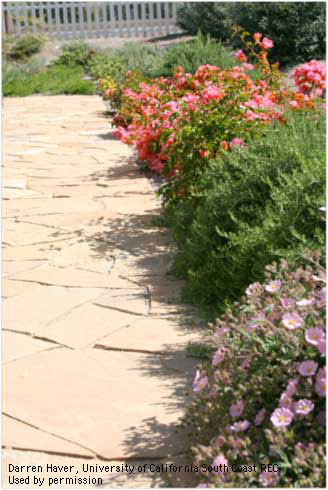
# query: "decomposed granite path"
[[95, 371]]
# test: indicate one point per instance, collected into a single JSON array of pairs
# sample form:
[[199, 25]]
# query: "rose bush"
[[178, 124], [261, 399]]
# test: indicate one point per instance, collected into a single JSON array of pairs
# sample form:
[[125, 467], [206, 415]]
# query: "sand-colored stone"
[[86, 325], [35, 309], [95, 368], [151, 334], [141, 398], [130, 300], [17, 345]]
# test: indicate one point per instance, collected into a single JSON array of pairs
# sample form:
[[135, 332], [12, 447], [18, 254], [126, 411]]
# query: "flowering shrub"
[[310, 78], [261, 399], [177, 124]]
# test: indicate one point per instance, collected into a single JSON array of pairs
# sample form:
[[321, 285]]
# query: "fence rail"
[[80, 20]]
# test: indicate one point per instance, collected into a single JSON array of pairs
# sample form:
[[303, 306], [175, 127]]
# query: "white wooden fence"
[[80, 20]]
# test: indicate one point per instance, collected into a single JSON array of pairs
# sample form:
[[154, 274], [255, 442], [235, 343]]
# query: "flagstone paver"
[[94, 362]]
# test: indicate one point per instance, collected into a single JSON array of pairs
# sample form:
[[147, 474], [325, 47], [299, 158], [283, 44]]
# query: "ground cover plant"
[[261, 398], [19, 80]]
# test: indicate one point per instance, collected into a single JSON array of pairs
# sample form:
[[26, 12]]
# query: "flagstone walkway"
[[94, 363]]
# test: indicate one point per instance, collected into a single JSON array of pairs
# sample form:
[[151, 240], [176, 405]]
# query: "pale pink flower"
[[321, 346], [236, 409], [314, 335], [286, 401], [307, 368], [322, 298], [305, 302], [217, 357], [292, 321], [287, 303], [322, 418], [268, 479], [220, 460], [291, 387], [282, 417], [240, 426], [254, 289], [273, 286], [220, 332], [199, 382], [320, 387], [303, 407], [260, 416]]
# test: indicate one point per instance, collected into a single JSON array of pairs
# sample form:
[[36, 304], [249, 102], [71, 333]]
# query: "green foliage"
[[250, 207], [25, 47], [75, 54], [23, 80], [296, 28], [210, 17], [191, 54]]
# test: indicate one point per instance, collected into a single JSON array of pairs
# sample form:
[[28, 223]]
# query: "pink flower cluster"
[[310, 78]]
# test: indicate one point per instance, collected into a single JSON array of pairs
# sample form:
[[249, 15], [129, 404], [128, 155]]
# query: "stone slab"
[[20, 233], [10, 267], [114, 404], [18, 435], [35, 309], [14, 183], [132, 300], [87, 324], [16, 345], [151, 334]]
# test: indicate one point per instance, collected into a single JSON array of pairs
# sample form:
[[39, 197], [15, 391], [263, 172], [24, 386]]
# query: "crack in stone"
[[37, 337], [92, 458], [41, 243], [48, 432], [44, 283], [17, 220], [123, 310], [125, 349]]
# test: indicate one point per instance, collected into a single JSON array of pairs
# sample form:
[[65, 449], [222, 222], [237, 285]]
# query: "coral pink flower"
[[303, 407], [248, 66], [266, 43], [236, 142], [282, 417], [224, 145], [236, 409], [240, 56], [314, 335], [260, 416], [273, 286], [292, 321], [307, 368], [257, 36], [204, 153]]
